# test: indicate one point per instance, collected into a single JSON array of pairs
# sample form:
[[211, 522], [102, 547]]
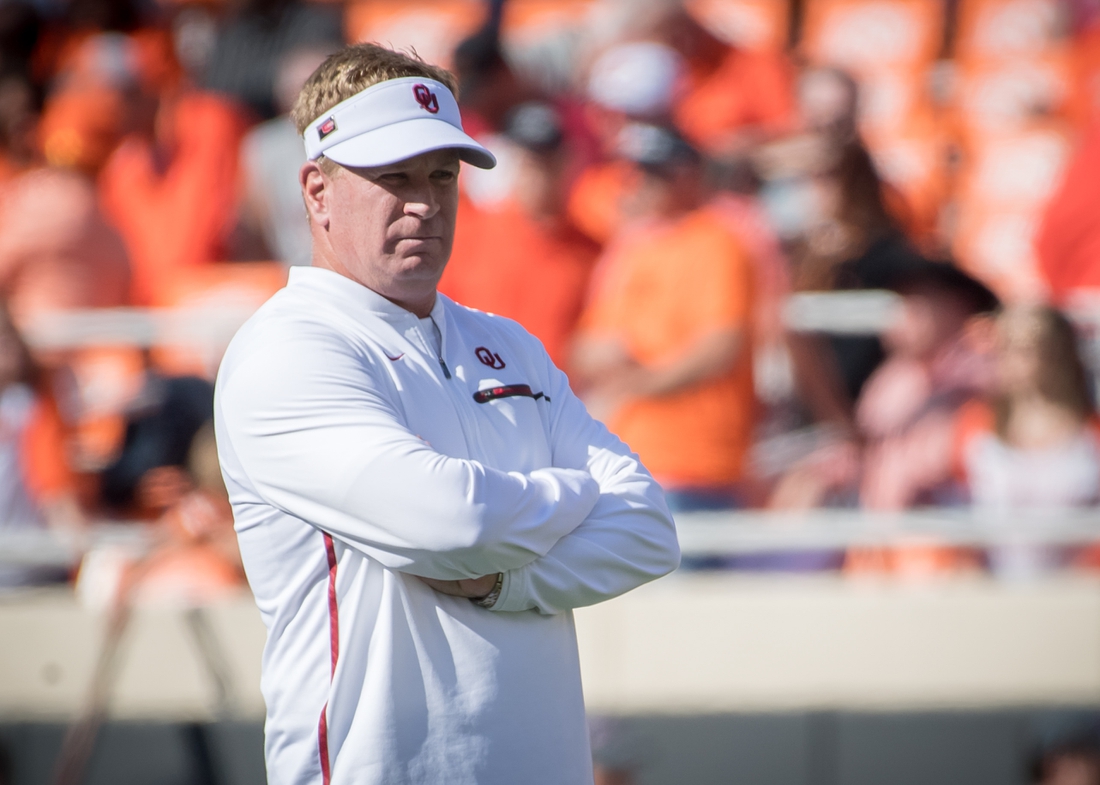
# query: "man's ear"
[[315, 193]]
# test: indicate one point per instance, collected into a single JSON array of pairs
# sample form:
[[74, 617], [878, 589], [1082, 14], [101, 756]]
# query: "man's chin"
[[425, 267]]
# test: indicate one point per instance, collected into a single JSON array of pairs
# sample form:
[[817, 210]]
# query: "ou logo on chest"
[[489, 358]]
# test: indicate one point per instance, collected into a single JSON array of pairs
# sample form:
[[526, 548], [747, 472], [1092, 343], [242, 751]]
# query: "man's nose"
[[423, 204]]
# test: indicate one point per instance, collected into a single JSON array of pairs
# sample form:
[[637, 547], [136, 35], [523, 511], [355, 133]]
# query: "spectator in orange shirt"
[[733, 97], [664, 356], [526, 260], [632, 82], [171, 190], [57, 250]]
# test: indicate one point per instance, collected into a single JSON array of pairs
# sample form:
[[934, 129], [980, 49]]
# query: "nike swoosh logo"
[[394, 359]]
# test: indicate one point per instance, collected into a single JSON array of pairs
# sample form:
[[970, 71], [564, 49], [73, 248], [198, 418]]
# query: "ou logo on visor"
[[426, 98], [489, 358]]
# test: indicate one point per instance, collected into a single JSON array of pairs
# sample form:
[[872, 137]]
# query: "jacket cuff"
[[513, 592]]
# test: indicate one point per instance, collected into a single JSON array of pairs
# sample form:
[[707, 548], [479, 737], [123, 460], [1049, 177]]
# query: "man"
[[664, 351], [634, 82], [527, 260], [419, 497]]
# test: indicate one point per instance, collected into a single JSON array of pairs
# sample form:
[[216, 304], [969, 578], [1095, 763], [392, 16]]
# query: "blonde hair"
[[352, 70]]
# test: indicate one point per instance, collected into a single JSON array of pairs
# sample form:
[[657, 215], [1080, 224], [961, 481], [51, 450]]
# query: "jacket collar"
[[354, 298]]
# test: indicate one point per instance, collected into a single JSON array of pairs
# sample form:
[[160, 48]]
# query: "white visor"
[[392, 121]]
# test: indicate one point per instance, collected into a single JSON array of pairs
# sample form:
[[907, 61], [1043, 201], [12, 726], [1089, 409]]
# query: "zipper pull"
[[439, 354]]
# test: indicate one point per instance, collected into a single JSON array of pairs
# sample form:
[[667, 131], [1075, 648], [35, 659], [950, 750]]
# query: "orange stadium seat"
[[1004, 94], [527, 19], [1017, 93], [749, 24], [997, 247], [867, 35], [432, 27], [1009, 28], [1003, 190], [1016, 169], [538, 33], [894, 99], [890, 47]]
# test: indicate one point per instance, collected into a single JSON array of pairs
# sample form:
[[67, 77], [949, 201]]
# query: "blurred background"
[[831, 267]]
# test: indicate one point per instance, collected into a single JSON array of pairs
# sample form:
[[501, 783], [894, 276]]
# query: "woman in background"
[[1034, 446]]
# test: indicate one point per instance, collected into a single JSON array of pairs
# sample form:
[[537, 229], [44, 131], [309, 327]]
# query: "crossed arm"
[[321, 444]]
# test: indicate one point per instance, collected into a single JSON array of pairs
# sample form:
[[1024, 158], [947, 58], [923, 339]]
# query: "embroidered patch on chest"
[[486, 357], [508, 391]]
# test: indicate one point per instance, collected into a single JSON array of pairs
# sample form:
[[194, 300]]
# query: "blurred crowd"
[[673, 177]]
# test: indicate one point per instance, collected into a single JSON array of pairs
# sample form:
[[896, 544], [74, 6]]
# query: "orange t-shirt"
[[748, 89], [513, 266], [42, 452], [661, 291], [179, 217]]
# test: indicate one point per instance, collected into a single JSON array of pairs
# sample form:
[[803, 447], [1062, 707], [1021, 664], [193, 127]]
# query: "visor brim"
[[401, 141]]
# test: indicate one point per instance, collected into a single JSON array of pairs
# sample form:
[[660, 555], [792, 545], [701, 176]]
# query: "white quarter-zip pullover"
[[358, 454]]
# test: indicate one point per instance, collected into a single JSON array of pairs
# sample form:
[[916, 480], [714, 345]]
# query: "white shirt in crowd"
[[1004, 479], [357, 455]]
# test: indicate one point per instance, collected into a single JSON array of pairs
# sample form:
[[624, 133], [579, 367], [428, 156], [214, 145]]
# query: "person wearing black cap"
[[527, 261], [664, 355], [902, 453]]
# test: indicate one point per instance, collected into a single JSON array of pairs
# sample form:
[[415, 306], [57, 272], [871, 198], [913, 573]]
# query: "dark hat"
[[655, 148], [534, 125], [946, 278]]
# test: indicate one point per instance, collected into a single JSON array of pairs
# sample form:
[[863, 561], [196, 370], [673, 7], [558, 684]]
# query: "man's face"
[[391, 227], [665, 193], [540, 183]]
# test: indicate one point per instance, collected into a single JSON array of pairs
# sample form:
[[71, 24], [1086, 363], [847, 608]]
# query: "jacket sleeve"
[[628, 539], [302, 423]]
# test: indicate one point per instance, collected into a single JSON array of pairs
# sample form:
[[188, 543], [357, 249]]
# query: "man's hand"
[[474, 588], [611, 377]]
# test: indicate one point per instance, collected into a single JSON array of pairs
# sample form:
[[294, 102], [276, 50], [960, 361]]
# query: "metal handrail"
[[704, 533], [844, 313]]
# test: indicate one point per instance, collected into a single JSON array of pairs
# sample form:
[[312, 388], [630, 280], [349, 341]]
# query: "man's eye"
[[445, 175], [392, 178]]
